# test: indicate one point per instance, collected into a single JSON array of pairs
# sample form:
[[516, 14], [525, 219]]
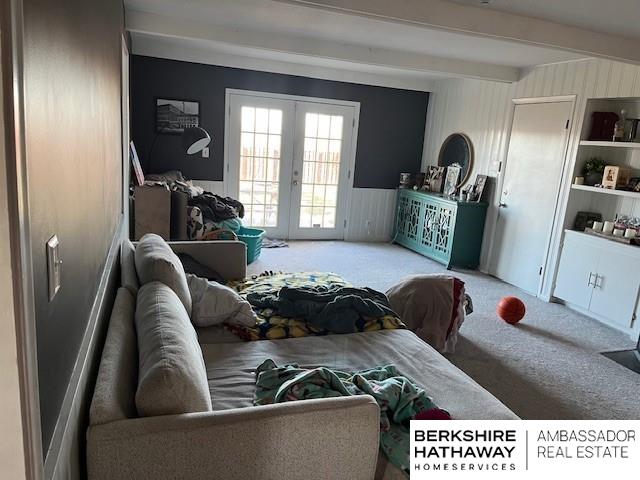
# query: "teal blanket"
[[399, 399]]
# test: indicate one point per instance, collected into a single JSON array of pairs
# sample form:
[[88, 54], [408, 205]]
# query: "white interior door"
[[530, 190], [320, 170], [288, 162], [260, 160]]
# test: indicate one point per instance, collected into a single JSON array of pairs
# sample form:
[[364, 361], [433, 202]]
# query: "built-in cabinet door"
[[576, 273], [615, 290]]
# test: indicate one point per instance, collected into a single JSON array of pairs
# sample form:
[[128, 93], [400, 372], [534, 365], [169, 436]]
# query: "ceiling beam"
[[153, 24], [480, 21]]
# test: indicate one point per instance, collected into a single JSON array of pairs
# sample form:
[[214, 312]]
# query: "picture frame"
[[451, 180], [615, 176], [634, 184], [433, 179], [135, 163], [478, 187], [174, 115]]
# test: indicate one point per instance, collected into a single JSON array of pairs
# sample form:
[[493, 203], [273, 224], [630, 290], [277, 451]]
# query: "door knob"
[[295, 182]]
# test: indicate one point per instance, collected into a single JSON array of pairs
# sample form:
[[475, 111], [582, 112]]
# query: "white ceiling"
[[617, 17], [278, 18]]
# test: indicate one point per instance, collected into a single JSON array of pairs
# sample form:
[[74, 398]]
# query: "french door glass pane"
[[260, 151], [320, 170]]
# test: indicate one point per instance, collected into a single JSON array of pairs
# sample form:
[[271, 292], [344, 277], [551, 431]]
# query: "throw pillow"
[[214, 304]]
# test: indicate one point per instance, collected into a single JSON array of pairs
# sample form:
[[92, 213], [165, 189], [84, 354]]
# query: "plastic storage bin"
[[252, 237]]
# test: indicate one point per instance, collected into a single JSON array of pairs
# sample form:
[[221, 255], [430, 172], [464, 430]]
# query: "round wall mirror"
[[457, 149]]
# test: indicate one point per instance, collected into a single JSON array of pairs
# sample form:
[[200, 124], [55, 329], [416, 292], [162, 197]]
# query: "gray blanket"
[[334, 308]]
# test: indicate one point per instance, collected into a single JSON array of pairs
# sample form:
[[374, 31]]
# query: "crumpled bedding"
[[334, 308], [271, 325], [399, 398]]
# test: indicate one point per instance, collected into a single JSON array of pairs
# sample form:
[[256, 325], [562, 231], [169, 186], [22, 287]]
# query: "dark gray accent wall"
[[390, 137], [72, 82]]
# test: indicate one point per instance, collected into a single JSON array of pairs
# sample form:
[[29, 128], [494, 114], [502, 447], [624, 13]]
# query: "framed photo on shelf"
[[478, 187], [433, 179], [451, 180], [173, 116]]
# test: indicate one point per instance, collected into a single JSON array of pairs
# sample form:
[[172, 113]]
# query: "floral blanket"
[[270, 326], [399, 398]]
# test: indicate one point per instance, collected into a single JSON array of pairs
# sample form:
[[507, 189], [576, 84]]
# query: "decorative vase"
[[593, 178]]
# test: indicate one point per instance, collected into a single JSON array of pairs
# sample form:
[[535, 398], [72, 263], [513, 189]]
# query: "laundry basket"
[[252, 237]]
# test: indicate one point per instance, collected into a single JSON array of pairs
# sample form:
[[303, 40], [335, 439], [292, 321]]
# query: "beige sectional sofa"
[[172, 401]]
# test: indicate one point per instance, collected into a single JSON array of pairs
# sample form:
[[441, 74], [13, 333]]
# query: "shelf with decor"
[[592, 275], [606, 191], [594, 143]]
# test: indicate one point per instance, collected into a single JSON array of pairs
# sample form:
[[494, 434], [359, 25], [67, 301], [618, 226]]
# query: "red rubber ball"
[[511, 310]]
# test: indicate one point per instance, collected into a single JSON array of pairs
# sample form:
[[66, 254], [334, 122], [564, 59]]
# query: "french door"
[[288, 163]]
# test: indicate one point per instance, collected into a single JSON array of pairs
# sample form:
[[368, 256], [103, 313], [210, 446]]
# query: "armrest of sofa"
[[334, 438], [227, 257]]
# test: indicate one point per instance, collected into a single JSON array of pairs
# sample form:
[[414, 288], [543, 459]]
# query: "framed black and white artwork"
[[173, 116], [451, 180]]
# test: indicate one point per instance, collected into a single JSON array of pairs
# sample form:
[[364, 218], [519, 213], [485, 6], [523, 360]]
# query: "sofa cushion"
[[128, 275], [214, 304], [113, 397], [172, 377], [156, 262]]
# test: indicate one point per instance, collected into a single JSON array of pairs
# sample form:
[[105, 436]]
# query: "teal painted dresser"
[[440, 227]]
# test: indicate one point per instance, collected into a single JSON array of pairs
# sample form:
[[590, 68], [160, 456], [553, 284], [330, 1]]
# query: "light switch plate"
[[205, 152], [54, 265]]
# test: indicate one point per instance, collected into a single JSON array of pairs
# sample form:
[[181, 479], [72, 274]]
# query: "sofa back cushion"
[[172, 377], [156, 262], [113, 397], [128, 275]]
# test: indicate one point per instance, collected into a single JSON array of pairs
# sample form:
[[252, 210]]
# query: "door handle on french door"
[[294, 183], [598, 282], [502, 205]]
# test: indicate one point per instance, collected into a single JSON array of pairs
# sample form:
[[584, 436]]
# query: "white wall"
[[370, 217], [484, 109], [12, 463]]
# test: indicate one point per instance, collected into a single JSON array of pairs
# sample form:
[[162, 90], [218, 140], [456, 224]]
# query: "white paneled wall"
[[484, 109], [371, 215], [371, 212], [210, 186]]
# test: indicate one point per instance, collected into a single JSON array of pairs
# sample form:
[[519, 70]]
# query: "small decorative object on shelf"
[[631, 129], [593, 170], [586, 220], [633, 185], [478, 187], [451, 180], [433, 179], [602, 125], [578, 181], [618, 129], [411, 181], [615, 176]]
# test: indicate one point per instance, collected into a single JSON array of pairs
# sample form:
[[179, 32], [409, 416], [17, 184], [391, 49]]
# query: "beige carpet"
[[547, 367]]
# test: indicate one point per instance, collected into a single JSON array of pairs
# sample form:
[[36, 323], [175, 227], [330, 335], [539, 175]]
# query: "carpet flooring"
[[547, 367]]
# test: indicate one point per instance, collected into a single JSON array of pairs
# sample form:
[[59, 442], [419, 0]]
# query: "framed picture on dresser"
[[451, 180]]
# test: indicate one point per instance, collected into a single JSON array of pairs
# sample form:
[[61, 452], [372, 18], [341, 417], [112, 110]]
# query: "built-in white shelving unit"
[[595, 275]]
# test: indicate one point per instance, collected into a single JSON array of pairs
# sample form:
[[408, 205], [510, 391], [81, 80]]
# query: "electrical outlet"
[[205, 152]]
